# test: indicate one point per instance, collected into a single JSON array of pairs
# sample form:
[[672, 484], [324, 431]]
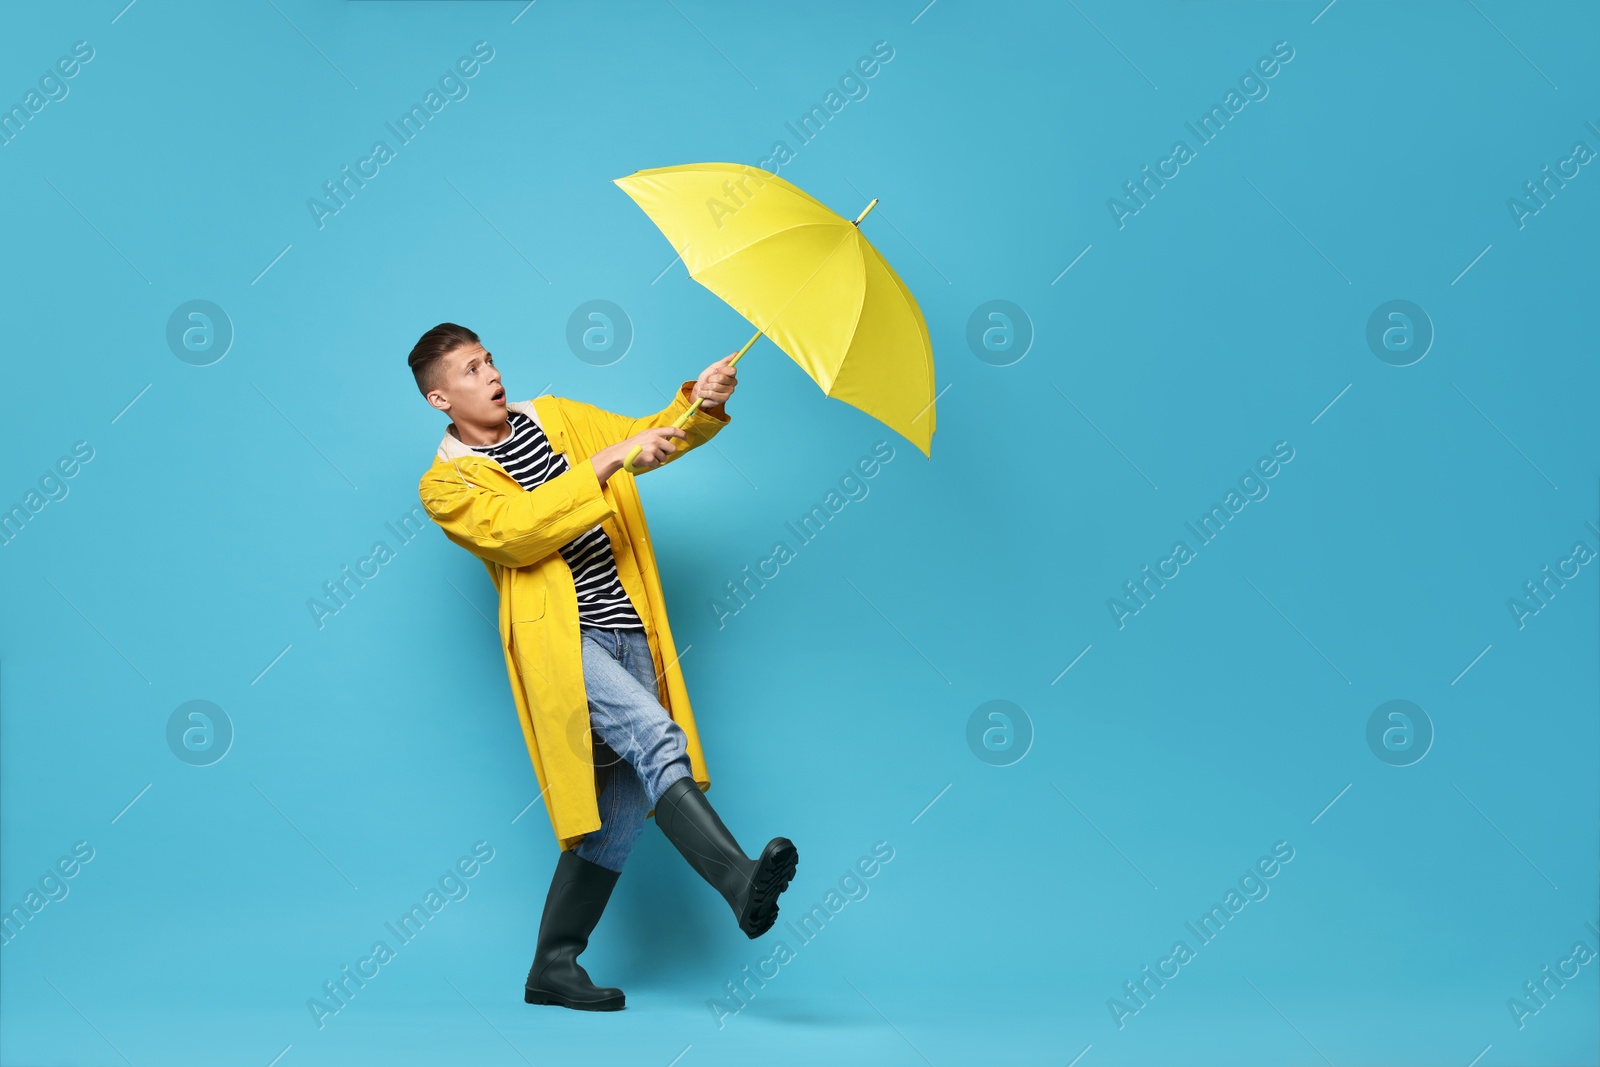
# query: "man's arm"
[[700, 427], [515, 529]]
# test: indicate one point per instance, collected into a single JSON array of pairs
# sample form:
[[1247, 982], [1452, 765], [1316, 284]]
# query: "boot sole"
[[539, 996], [774, 870]]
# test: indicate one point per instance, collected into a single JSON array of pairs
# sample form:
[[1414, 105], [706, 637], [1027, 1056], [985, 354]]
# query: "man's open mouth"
[[499, 396]]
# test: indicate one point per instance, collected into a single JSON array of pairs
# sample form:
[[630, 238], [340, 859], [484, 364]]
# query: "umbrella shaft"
[[740, 354]]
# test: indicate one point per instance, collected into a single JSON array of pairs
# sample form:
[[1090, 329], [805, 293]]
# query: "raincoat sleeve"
[[515, 529], [701, 427]]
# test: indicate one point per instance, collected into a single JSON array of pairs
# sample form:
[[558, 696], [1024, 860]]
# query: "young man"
[[536, 490]]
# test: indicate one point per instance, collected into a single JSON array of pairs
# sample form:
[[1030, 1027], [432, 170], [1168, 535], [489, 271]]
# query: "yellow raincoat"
[[517, 533]]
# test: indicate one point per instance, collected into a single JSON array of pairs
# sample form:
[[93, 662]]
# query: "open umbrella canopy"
[[806, 278]]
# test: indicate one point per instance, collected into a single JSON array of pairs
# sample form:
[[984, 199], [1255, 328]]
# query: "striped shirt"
[[527, 456]]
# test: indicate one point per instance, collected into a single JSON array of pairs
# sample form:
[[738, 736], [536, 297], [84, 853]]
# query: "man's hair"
[[427, 358]]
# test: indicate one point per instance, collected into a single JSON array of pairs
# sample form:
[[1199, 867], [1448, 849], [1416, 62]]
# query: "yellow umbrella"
[[806, 278]]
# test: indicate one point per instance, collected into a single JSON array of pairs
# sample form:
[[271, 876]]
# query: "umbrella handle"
[[627, 463]]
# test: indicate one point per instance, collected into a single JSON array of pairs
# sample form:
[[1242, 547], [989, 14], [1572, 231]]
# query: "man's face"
[[470, 387]]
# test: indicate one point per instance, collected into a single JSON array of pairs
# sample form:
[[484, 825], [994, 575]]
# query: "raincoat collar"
[[453, 448]]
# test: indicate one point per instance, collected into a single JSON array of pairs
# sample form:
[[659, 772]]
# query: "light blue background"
[[1227, 315]]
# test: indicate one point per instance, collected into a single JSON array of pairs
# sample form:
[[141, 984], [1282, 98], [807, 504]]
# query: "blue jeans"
[[638, 750]]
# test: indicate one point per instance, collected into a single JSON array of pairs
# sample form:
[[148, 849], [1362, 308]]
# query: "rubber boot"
[[751, 887], [578, 894]]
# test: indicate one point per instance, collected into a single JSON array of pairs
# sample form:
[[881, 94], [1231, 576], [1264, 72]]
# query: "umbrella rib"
[[759, 240], [912, 300], [856, 324], [763, 176], [927, 347], [802, 286], [921, 333]]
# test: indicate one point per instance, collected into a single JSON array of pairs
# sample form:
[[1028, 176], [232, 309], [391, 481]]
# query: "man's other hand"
[[657, 443]]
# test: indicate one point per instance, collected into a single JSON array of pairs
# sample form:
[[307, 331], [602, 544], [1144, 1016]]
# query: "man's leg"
[[586, 874], [658, 747], [625, 712], [622, 809], [578, 894]]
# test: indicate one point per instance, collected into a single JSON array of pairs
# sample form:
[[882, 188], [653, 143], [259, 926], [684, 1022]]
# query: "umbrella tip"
[[866, 209]]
